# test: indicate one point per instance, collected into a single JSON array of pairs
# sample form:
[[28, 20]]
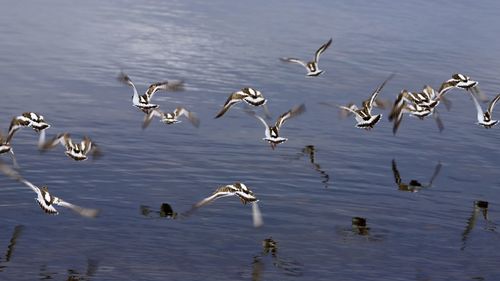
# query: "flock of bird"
[[417, 104]]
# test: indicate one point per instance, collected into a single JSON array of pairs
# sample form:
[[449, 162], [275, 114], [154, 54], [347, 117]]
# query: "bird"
[[44, 198], [413, 185], [418, 105], [363, 115], [238, 189], [6, 147], [30, 119], [312, 66], [143, 102], [272, 132], [249, 95], [484, 118], [171, 117], [458, 80], [76, 151]]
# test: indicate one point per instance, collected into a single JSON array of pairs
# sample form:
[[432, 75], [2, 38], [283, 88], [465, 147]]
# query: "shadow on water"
[[479, 207], [72, 275], [165, 211], [413, 185], [270, 254], [360, 229], [10, 248]]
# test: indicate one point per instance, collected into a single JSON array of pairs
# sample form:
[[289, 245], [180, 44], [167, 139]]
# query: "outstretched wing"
[[267, 133], [290, 114], [446, 86], [294, 60], [60, 138], [155, 87], [480, 112], [322, 49], [377, 91], [189, 115], [122, 77], [148, 117], [233, 99], [84, 212], [13, 174], [492, 104]]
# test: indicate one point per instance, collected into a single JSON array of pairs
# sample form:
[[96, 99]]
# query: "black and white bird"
[[171, 117], [312, 66], [363, 115], [272, 132], [485, 118], [143, 102], [6, 147], [237, 189], [33, 120], [458, 80], [76, 151], [44, 198], [249, 95]]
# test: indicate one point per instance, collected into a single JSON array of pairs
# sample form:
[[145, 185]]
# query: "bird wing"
[[126, 80], [256, 215], [267, 133], [189, 115], [492, 104], [233, 99], [446, 86], [148, 117], [84, 212], [61, 138], [377, 91], [480, 112], [289, 114], [322, 49], [155, 87], [294, 60], [13, 174]]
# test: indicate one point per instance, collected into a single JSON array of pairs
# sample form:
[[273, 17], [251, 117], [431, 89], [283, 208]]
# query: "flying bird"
[[249, 95], [312, 66], [44, 198], [76, 151], [171, 117], [272, 132], [485, 118]]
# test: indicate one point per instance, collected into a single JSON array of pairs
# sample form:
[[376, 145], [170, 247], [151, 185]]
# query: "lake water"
[[61, 59]]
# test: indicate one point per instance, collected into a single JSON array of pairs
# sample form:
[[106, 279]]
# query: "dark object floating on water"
[[165, 211], [413, 185], [359, 226], [270, 246]]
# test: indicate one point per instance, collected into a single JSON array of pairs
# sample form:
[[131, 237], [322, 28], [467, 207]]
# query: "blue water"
[[61, 59]]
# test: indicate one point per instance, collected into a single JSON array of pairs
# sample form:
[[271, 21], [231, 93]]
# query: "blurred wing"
[[439, 122], [322, 49], [492, 104], [290, 114], [155, 87], [446, 86], [256, 215], [377, 91], [233, 99], [84, 212], [175, 85], [480, 112], [61, 138], [294, 60], [122, 77], [10, 249], [267, 134], [148, 117], [191, 116]]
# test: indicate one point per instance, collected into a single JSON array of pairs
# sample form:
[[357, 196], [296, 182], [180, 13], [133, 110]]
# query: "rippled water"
[[61, 58]]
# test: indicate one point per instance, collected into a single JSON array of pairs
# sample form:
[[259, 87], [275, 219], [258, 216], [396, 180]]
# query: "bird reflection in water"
[[165, 211], [311, 150], [72, 275], [479, 207], [413, 185], [270, 248], [10, 248]]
